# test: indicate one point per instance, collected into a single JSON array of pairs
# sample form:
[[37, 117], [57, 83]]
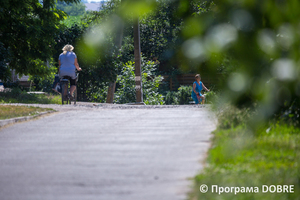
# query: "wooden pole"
[[137, 58]]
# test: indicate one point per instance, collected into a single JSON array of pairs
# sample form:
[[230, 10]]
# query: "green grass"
[[18, 96], [7, 111], [240, 157]]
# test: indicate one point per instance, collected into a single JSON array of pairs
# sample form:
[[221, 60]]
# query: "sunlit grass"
[[245, 158], [18, 96], [7, 111]]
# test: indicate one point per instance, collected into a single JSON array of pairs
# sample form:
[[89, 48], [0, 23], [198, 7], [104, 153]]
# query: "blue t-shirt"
[[198, 88], [67, 67]]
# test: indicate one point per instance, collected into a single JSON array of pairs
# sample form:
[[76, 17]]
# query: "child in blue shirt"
[[197, 88]]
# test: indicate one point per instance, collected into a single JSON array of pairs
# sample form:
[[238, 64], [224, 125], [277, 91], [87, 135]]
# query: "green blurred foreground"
[[241, 157]]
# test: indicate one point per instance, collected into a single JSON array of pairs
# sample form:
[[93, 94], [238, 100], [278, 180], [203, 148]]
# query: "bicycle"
[[65, 90]]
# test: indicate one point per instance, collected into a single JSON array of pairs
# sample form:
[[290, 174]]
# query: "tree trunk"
[[118, 42], [137, 59], [111, 92]]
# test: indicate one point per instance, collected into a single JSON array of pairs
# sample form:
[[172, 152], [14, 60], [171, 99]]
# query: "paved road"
[[104, 154]]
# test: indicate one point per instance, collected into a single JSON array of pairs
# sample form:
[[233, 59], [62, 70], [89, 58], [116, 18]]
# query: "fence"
[[175, 81]]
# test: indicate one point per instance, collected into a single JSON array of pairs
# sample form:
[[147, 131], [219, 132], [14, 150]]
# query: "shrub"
[[231, 117], [44, 83], [126, 84], [182, 96], [171, 98], [211, 97], [97, 93]]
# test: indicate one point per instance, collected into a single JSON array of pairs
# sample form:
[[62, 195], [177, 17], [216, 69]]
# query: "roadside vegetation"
[[250, 155], [9, 111], [251, 46], [16, 95], [71, 21], [101, 61]]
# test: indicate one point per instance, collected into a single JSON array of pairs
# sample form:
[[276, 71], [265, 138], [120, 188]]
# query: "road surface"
[[105, 153]]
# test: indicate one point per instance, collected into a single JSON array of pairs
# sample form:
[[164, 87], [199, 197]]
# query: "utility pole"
[[137, 59]]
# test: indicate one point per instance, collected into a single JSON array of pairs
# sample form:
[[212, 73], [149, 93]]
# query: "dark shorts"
[[72, 81]]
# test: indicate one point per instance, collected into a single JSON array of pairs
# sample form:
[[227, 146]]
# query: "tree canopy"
[[72, 9], [27, 30], [253, 44]]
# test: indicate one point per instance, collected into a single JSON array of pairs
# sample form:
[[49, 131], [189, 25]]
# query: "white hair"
[[67, 48]]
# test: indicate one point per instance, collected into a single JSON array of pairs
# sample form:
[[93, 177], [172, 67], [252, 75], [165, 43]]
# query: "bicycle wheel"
[[64, 90]]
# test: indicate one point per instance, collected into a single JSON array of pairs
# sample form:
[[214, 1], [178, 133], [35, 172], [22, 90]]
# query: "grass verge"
[[7, 111], [243, 158], [18, 96]]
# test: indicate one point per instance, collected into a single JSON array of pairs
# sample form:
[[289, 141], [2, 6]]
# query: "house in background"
[[95, 6]]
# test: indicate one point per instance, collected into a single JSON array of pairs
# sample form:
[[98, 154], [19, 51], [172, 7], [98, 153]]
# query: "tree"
[[263, 40], [27, 30], [160, 34], [4, 59], [74, 9]]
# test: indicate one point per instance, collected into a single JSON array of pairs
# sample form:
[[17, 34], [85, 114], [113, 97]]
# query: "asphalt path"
[[105, 153]]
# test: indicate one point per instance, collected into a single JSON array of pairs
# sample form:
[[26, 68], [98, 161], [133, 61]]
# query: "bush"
[[98, 93], [182, 96], [44, 83], [211, 97], [171, 98], [231, 117], [126, 84], [243, 157]]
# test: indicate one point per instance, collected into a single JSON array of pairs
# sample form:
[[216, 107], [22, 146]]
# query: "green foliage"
[[98, 67], [73, 9], [21, 23], [182, 96], [262, 41], [160, 34], [171, 98], [126, 84], [230, 117], [98, 94], [97, 17], [240, 157], [4, 60], [16, 95], [159, 29], [211, 97], [44, 83], [71, 21]]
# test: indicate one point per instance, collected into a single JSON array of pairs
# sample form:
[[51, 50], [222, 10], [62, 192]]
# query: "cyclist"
[[197, 88], [67, 67]]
